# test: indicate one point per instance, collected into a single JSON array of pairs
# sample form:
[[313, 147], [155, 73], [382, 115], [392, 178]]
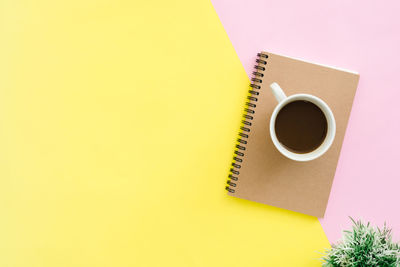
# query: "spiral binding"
[[248, 117]]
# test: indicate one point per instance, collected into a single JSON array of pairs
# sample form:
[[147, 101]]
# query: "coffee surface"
[[301, 126]]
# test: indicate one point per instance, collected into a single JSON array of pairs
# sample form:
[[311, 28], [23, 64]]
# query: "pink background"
[[359, 35]]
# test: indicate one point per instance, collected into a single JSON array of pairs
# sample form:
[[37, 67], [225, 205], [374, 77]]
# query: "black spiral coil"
[[255, 85]]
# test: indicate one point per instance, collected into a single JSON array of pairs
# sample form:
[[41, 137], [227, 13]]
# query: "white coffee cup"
[[284, 100]]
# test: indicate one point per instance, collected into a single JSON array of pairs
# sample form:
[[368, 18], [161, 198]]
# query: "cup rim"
[[323, 147]]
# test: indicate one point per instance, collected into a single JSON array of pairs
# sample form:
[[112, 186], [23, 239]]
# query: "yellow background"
[[117, 126]]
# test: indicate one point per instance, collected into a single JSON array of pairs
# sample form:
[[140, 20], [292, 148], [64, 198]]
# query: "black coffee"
[[301, 126]]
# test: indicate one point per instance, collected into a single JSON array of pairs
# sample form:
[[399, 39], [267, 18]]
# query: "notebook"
[[259, 172]]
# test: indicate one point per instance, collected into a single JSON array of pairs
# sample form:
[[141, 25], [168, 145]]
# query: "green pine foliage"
[[364, 246]]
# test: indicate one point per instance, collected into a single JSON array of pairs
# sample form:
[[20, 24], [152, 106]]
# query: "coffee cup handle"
[[277, 92]]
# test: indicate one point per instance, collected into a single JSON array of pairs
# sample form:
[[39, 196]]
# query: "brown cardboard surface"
[[268, 177]]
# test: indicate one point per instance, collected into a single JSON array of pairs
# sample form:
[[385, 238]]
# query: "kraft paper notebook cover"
[[259, 172]]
